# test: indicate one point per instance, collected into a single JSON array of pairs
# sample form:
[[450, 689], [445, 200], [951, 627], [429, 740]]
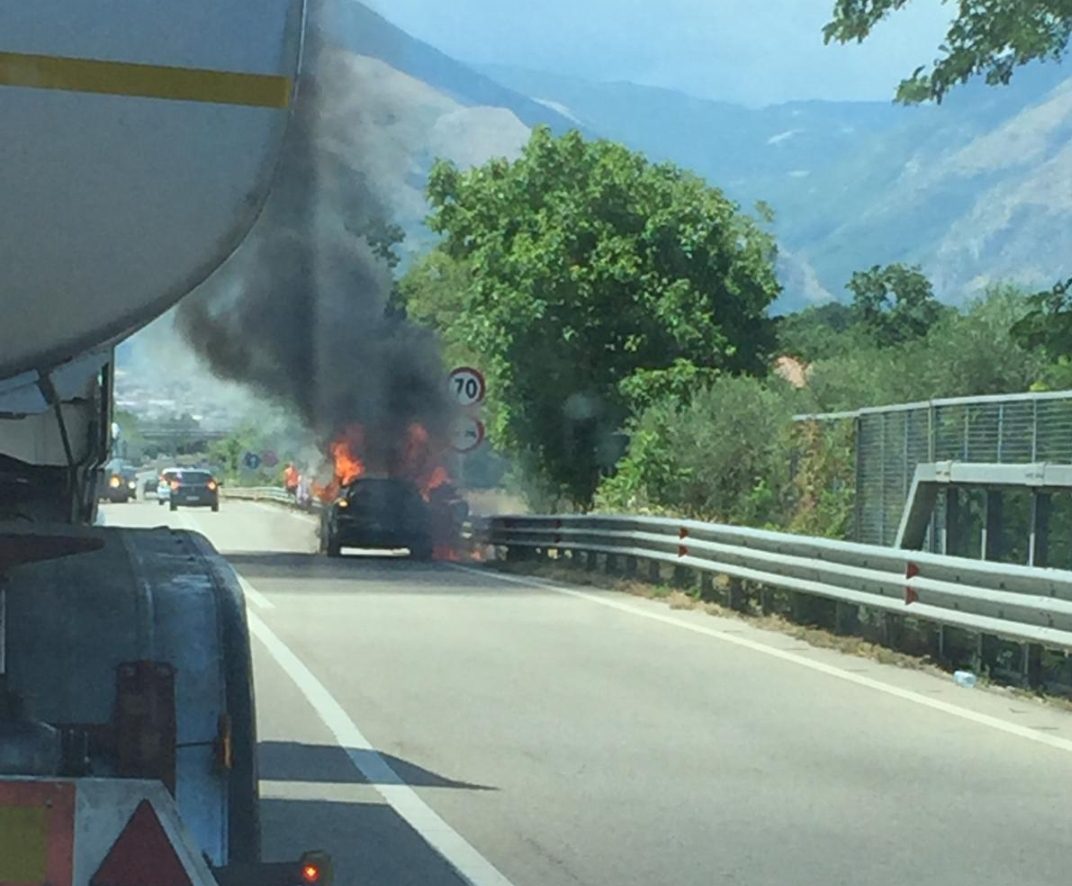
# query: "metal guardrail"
[[1021, 603], [266, 493]]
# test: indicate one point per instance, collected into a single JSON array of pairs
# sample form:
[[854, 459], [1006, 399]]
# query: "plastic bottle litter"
[[965, 679]]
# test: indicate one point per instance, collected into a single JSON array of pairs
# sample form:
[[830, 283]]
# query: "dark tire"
[[421, 550]]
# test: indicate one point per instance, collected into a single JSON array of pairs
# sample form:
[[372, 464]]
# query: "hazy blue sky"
[[755, 51]]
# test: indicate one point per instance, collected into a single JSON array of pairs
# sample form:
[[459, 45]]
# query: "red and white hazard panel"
[[94, 832]]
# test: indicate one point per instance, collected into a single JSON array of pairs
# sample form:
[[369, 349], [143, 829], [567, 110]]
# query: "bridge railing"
[[1021, 603]]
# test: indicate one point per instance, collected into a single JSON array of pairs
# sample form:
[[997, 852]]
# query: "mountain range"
[[976, 190]]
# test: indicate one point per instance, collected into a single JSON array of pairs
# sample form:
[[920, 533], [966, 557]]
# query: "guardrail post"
[[846, 618], [655, 572], [630, 567], [681, 576], [736, 597], [892, 629], [992, 519], [611, 564], [1039, 549], [1033, 665], [707, 586]]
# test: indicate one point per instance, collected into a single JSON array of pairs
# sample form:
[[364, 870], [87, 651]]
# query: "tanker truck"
[[140, 141]]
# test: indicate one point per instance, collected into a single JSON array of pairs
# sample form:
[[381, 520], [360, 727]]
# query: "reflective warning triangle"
[[142, 855]]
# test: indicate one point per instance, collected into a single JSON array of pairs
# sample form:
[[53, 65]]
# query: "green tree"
[[1047, 324], [583, 264], [966, 353], [894, 304], [721, 456], [819, 332], [990, 37]]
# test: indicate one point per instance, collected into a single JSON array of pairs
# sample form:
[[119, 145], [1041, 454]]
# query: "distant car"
[[116, 488], [163, 486], [375, 512], [130, 477], [195, 489]]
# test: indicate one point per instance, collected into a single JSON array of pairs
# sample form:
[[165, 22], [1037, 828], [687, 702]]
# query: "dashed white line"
[[1053, 741], [451, 845]]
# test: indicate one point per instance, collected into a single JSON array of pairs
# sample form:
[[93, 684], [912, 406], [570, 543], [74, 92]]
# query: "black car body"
[[374, 512], [118, 483], [115, 488], [196, 489]]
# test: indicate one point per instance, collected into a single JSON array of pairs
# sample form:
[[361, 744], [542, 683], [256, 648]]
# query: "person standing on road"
[[290, 479]]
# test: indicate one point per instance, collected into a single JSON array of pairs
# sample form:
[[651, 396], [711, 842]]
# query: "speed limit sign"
[[467, 386], [468, 435]]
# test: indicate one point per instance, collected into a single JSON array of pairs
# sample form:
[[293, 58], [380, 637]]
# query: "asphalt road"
[[539, 735]]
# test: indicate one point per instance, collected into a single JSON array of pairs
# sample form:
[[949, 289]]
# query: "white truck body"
[[139, 143]]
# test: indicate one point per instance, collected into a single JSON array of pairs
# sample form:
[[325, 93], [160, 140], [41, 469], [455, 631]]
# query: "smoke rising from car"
[[298, 313]]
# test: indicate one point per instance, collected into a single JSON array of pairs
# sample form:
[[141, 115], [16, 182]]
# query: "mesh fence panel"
[[891, 442]]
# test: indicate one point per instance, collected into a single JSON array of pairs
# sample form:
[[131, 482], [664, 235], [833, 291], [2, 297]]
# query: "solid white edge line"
[[1053, 741], [254, 596], [448, 843]]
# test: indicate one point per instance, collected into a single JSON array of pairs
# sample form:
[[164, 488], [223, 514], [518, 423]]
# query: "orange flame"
[[348, 465]]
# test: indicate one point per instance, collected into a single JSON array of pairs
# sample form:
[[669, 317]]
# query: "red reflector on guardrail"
[[910, 595]]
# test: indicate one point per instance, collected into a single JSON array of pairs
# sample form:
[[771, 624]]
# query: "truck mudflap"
[[117, 832]]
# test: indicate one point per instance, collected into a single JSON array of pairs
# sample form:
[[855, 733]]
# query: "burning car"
[[378, 512]]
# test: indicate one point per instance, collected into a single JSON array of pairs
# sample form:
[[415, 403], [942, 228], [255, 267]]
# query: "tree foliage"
[[574, 267], [1048, 322], [819, 332], [964, 354], [989, 37], [894, 304], [720, 456]]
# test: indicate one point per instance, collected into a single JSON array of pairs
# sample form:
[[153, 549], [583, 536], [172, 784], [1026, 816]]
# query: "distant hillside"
[[357, 28], [975, 190]]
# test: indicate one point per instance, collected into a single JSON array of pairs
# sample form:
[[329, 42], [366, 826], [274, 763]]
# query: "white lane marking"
[[254, 596], [1053, 741], [451, 845]]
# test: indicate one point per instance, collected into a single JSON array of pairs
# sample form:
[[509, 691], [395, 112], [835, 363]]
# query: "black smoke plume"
[[298, 313]]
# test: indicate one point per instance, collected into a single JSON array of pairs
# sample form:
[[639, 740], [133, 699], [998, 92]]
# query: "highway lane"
[[564, 738]]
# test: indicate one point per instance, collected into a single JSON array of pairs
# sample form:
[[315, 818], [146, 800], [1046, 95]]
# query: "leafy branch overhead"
[[988, 37]]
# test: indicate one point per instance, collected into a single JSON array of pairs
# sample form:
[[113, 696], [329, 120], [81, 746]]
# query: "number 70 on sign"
[[467, 386]]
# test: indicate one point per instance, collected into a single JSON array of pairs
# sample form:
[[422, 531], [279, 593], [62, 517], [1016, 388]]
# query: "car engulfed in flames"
[[404, 500]]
